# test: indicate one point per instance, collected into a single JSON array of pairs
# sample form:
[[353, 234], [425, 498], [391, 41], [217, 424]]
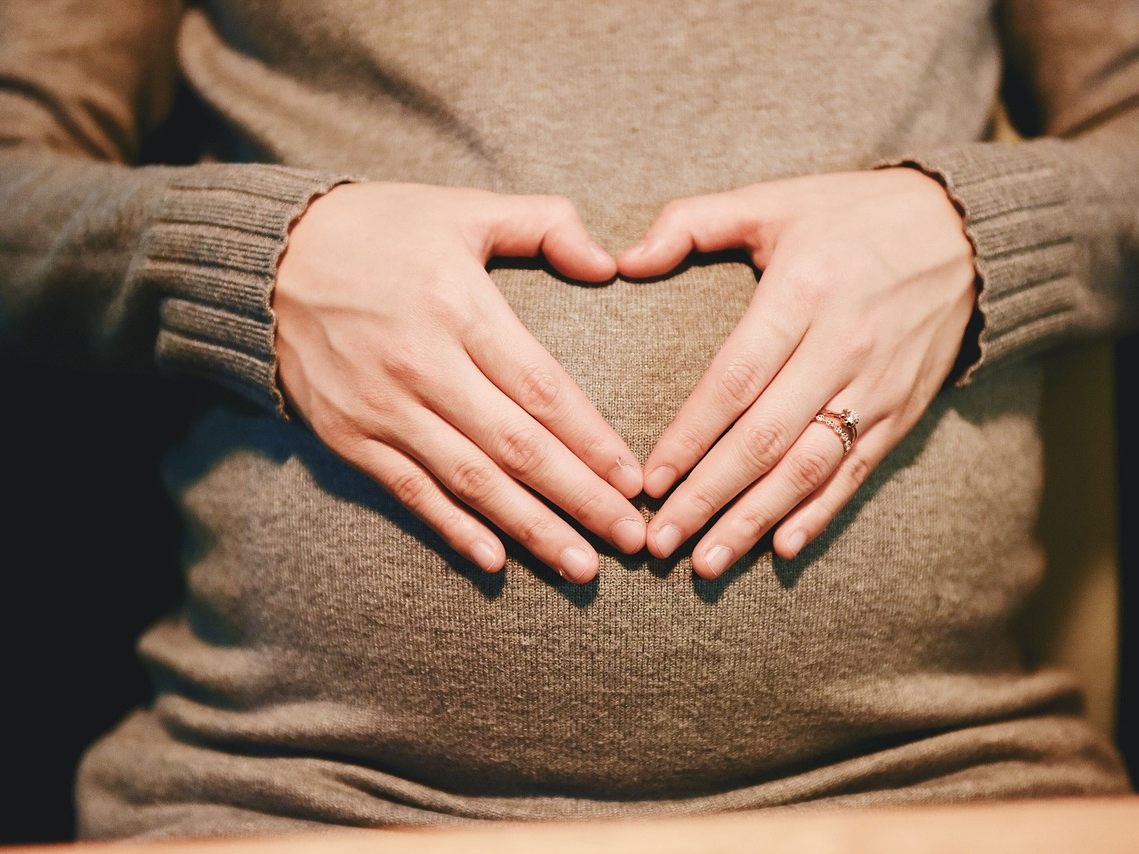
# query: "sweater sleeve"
[[106, 262], [1053, 219]]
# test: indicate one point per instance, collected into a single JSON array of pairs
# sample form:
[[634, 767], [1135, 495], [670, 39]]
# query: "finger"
[[738, 374], [730, 220], [511, 358], [522, 226], [751, 448], [821, 507], [477, 481], [413, 487], [528, 452], [815, 455]]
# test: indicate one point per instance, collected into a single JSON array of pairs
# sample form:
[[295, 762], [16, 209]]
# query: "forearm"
[[1055, 218], [133, 266], [103, 261], [1056, 231]]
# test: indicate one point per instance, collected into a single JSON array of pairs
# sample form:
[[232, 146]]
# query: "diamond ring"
[[844, 424]]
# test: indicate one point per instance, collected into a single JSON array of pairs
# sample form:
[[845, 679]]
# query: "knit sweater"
[[334, 662]]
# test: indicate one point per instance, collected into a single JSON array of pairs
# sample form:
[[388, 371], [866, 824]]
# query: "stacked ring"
[[844, 424]]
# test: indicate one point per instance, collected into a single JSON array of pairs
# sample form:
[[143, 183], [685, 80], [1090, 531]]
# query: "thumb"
[[523, 226], [730, 220]]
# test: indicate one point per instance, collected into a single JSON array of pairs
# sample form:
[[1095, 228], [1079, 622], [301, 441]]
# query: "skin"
[[402, 355], [422, 376], [867, 287]]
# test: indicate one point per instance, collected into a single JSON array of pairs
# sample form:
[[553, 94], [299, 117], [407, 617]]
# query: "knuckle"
[[472, 481], [532, 531], [442, 303], [520, 450], [764, 445], [411, 490], [809, 468], [452, 523], [691, 441], [592, 449], [585, 504], [739, 383], [405, 362], [751, 523], [384, 413], [538, 388], [703, 502], [817, 277], [333, 426]]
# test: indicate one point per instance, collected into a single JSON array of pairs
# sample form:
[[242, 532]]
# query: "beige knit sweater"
[[334, 662]]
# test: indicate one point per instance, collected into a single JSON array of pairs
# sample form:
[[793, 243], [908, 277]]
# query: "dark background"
[[89, 560], [89, 546], [1126, 366]]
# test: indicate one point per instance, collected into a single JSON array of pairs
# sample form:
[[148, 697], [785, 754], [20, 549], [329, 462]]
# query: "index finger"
[[520, 225], [743, 367], [511, 358]]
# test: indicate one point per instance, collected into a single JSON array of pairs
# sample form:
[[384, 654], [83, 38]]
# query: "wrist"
[[953, 224]]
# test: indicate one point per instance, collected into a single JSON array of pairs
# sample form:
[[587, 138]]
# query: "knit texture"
[[212, 251], [1016, 207], [334, 662], [189, 292]]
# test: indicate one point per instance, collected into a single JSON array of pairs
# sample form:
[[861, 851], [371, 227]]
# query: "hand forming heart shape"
[[428, 382]]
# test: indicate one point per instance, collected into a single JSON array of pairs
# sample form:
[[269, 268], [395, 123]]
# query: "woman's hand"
[[402, 355], [867, 288]]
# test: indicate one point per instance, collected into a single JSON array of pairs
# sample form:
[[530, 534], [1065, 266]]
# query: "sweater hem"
[[213, 252], [1015, 207]]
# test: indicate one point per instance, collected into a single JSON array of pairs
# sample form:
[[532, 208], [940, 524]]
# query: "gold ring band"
[[844, 424]]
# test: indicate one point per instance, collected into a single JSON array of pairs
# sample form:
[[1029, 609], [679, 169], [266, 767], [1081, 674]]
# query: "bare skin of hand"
[[866, 291], [403, 357]]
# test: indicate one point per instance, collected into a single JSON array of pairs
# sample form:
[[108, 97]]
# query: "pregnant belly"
[[323, 619]]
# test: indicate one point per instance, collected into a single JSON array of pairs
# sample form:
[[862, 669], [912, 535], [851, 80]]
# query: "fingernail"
[[626, 479], [717, 558], [629, 534], [484, 555], [659, 479], [667, 538], [796, 541], [576, 564]]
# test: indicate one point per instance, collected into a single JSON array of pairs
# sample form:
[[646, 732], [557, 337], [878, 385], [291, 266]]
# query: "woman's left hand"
[[867, 288]]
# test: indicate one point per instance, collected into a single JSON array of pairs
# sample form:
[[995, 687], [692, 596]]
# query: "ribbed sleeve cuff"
[[1016, 203], [212, 253]]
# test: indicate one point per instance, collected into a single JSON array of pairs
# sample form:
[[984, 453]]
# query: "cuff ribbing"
[[1015, 202], [212, 253]]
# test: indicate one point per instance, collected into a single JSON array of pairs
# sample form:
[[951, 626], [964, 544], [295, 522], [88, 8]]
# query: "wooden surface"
[[1085, 825]]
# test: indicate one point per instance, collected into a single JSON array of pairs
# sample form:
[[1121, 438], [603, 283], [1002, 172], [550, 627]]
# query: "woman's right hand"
[[401, 354]]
